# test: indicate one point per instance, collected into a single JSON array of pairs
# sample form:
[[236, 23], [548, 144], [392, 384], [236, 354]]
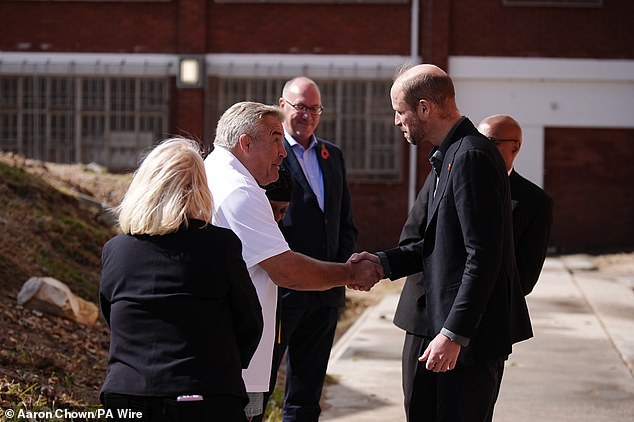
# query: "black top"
[[470, 281], [328, 235], [183, 313], [532, 220]]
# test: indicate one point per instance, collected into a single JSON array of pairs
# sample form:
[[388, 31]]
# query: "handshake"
[[366, 271]]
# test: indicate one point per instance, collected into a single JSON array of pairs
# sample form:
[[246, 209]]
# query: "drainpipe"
[[413, 162]]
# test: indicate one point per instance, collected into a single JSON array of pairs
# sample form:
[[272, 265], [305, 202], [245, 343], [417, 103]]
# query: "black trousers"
[[218, 408], [306, 335], [464, 394]]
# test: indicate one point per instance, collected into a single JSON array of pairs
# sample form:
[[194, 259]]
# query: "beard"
[[415, 133]]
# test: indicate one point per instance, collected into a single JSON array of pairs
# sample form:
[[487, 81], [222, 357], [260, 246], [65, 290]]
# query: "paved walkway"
[[579, 367]]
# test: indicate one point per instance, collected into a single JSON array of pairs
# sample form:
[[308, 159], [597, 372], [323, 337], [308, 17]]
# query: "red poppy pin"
[[324, 152], [449, 167]]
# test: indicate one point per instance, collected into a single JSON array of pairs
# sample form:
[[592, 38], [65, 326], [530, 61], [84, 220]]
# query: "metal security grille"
[[82, 119], [357, 116]]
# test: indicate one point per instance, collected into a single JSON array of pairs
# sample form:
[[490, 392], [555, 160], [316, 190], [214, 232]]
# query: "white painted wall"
[[543, 93]]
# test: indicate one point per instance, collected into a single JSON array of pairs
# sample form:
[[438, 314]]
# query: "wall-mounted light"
[[191, 72]]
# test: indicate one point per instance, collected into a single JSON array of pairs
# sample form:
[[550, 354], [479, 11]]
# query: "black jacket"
[[532, 220], [470, 279], [328, 235], [183, 313]]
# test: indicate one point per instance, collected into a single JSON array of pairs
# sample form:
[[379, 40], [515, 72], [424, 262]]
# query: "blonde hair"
[[168, 189], [243, 118]]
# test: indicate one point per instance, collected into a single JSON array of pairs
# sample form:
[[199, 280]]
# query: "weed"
[[273, 411]]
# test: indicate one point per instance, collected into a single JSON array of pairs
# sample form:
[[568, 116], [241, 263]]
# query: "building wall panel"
[[489, 28], [309, 28], [105, 27], [590, 177]]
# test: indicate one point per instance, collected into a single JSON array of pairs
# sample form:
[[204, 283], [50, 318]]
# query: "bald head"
[[424, 103], [300, 98], [506, 133], [426, 81], [299, 84], [408, 71]]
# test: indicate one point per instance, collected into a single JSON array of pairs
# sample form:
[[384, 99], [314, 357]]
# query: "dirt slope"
[[45, 230]]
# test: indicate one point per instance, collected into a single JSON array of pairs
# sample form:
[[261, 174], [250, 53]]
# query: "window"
[[554, 3], [357, 117], [82, 119]]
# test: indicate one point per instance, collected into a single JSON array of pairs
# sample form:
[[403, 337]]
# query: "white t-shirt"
[[241, 205]]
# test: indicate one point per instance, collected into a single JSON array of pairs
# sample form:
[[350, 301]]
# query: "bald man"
[[532, 207], [469, 291], [318, 223]]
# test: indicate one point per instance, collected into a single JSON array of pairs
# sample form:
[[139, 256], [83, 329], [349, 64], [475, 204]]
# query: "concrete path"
[[579, 367]]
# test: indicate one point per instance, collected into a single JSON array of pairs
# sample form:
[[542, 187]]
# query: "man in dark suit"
[[470, 288], [532, 220], [532, 207], [318, 223]]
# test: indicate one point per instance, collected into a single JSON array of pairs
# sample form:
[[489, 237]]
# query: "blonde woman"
[[175, 291]]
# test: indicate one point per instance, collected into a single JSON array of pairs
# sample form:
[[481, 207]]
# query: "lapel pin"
[[324, 152]]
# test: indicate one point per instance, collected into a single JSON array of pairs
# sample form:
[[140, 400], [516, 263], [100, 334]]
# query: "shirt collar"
[[449, 139], [292, 142], [225, 155], [437, 154], [435, 159]]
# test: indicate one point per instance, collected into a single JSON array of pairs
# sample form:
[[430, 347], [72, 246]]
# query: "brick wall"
[[93, 27], [590, 176], [309, 28], [488, 28], [465, 27], [380, 209]]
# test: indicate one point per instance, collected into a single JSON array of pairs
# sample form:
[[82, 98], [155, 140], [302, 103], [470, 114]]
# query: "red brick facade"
[[590, 174], [447, 28], [488, 28]]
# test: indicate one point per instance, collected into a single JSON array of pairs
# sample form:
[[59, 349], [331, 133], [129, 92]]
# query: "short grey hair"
[[243, 118]]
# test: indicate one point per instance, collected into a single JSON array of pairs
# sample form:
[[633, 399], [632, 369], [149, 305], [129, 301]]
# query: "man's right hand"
[[366, 271]]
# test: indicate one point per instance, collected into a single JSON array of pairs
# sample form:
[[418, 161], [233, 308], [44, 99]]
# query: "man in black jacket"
[[472, 297], [318, 223], [532, 220], [532, 207]]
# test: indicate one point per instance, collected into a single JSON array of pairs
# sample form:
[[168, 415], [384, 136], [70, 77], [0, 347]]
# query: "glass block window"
[[82, 119], [357, 116]]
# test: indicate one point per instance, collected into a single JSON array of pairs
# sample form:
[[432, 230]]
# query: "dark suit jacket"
[[413, 294], [532, 220], [183, 313], [469, 273], [328, 235]]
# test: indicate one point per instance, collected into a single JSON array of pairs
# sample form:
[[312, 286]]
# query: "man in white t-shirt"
[[248, 153]]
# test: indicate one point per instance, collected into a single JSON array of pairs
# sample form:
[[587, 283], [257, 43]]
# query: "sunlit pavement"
[[578, 367]]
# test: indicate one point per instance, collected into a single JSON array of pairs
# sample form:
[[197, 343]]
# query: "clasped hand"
[[366, 271]]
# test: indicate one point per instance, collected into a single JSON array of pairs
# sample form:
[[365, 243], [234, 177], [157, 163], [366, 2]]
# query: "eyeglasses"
[[314, 110], [497, 141]]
